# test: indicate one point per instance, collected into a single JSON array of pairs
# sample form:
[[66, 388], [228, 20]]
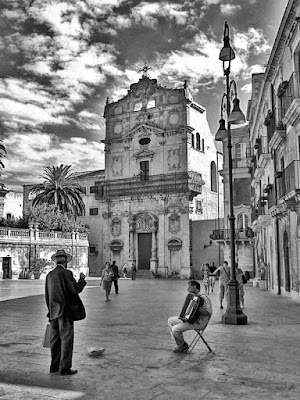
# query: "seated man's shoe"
[[182, 348], [69, 372]]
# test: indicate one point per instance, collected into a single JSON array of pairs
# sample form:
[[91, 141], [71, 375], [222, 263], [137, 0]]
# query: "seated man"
[[177, 326]]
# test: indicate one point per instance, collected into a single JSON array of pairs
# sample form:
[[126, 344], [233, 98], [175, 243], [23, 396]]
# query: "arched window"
[[242, 222], [197, 141], [203, 145], [193, 141], [213, 177]]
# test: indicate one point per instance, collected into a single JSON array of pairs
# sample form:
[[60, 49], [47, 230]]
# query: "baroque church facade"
[[160, 175]]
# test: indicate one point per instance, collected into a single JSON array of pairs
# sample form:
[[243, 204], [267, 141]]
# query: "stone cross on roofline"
[[145, 70]]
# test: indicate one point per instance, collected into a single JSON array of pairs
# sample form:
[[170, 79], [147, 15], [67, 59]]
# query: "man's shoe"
[[69, 372], [52, 371], [182, 348], [221, 306]]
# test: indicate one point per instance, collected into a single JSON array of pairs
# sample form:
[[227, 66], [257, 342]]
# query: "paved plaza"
[[257, 361]]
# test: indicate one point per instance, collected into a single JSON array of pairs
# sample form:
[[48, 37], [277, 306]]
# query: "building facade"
[[161, 175], [20, 248], [274, 119], [158, 149]]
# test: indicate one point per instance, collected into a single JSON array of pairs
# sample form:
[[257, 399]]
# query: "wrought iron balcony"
[[288, 182], [291, 91], [224, 234], [165, 183]]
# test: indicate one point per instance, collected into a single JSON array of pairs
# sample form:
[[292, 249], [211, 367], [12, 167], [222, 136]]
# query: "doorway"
[[286, 262], [144, 250], [6, 267]]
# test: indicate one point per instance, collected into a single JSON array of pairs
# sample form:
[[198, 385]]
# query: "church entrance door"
[[144, 250]]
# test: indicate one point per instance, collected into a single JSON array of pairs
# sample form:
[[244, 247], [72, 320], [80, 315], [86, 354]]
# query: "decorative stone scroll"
[[174, 244], [116, 226], [144, 223], [174, 223], [116, 245]]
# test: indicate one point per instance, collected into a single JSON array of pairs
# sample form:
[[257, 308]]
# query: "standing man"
[[212, 279], [116, 276], [223, 273], [61, 291], [133, 271]]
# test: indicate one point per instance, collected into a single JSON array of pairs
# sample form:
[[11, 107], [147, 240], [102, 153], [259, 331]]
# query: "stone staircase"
[[143, 274]]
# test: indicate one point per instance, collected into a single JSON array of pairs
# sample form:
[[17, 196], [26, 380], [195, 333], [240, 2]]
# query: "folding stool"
[[199, 335]]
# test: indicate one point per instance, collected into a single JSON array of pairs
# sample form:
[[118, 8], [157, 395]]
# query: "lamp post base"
[[234, 314]]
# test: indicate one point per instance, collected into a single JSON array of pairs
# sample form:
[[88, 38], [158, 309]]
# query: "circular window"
[[144, 141]]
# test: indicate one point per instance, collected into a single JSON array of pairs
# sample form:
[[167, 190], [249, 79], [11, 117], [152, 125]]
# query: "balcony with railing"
[[243, 162], [263, 151], [288, 181], [239, 234], [36, 236], [290, 95], [164, 183]]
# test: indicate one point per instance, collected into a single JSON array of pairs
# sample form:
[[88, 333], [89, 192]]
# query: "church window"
[[238, 151], [92, 249], [144, 170], [203, 145], [151, 103], [242, 222], [144, 141], [213, 177], [138, 106], [193, 141], [93, 211], [197, 141]]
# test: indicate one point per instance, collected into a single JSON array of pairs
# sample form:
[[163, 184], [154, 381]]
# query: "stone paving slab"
[[257, 361]]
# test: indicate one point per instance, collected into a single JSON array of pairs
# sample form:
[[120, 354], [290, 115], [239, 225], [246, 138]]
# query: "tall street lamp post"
[[234, 314]]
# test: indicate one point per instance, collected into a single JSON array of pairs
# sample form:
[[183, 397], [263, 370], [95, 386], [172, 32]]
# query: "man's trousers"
[[61, 343]]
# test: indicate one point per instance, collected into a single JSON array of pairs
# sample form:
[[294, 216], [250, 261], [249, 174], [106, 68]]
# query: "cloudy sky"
[[60, 60]]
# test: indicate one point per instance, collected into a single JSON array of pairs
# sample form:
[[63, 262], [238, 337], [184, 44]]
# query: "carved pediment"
[[144, 129], [144, 153]]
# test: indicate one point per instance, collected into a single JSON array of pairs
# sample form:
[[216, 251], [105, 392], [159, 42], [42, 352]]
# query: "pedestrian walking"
[[61, 294], [125, 270], [206, 277], [223, 273], [239, 277], [116, 276], [133, 271], [106, 279], [212, 278]]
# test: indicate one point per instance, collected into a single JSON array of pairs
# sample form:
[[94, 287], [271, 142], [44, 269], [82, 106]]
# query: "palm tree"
[[60, 189]]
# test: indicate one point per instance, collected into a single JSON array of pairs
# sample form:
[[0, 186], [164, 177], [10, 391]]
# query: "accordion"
[[189, 312]]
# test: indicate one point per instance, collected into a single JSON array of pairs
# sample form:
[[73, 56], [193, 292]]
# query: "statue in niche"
[[174, 223], [144, 223], [117, 166], [116, 226], [174, 159]]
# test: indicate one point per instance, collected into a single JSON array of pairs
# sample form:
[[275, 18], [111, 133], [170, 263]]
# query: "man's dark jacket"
[[60, 286]]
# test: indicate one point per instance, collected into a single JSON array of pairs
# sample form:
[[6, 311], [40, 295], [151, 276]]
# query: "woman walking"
[[106, 278]]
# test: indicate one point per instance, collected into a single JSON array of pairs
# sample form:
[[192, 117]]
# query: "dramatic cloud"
[[61, 59]]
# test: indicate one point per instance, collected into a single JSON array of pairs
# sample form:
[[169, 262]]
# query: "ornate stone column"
[[154, 260], [131, 240]]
